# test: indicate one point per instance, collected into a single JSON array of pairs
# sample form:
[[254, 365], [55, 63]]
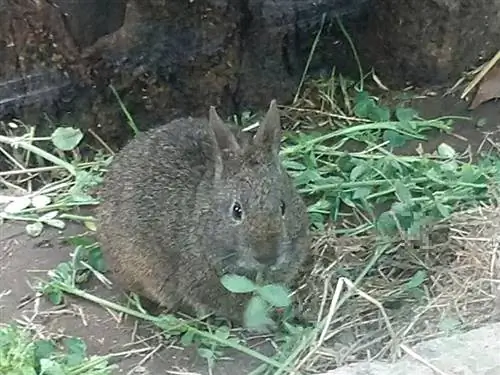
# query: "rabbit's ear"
[[268, 137], [223, 140], [224, 137]]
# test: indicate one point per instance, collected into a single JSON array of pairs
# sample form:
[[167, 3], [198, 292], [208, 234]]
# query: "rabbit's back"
[[156, 167], [151, 183]]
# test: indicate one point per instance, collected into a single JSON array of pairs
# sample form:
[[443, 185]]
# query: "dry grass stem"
[[383, 317]]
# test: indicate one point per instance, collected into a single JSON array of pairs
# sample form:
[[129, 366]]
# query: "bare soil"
[[23, 258]]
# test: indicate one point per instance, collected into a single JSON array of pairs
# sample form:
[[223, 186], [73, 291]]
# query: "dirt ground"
[[23, 258]]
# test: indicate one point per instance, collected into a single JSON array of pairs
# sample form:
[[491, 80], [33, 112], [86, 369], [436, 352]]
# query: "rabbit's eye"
[[282, 208], [237, 211]]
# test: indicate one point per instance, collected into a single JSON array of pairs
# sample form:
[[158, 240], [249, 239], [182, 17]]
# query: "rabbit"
[[187, 202]]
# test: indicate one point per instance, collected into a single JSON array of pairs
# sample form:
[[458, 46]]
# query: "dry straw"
[[380, 317]]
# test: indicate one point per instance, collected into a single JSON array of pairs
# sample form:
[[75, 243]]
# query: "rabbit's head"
[[253, 218]]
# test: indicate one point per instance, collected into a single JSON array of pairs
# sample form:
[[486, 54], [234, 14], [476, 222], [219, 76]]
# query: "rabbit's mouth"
[[256, 271], [241, 269], [248, 267]]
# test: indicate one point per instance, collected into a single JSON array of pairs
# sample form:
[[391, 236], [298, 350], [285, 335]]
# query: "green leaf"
[[446, 151], [394, 138], [402, 209], [222, 332], [76, 349], [362, 96], [238, 284], [49, 215], [363, 104], [385, 223], [34, 229], [321, 205], [357, 171], [51, 367], [44, 349], [367, 107], [417, 279], [96, 259], [317, 220], [361, 192], [468, 174], [405, 221], [40, 201], [443, 209], [171, 325], [450, 166], [62, 273], [347, 200], [306, 177], [275, 294], [415, 229], [380, 114], [56, 223], [433, 175], [256, 314], [405, 114], [403, 192], [55, 296], [206, 353], [66, 139], [187, 338], [17, 204]]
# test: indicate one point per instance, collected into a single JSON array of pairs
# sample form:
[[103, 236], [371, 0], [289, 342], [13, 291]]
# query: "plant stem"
[[18, 142], [77, 217], [130, 120], [389, 125], [157, 320]]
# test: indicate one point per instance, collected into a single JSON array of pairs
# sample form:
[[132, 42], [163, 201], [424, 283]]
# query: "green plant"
[[417, 189], [52, 203], [87, 259], [265, 297], [21, 355]]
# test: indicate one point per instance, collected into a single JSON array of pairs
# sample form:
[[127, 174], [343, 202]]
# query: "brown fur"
[[166, 222]]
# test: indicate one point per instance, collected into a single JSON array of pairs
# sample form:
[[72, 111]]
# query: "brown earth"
[[175, 58]]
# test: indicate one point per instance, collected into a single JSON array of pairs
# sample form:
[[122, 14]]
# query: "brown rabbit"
[[185, 203]]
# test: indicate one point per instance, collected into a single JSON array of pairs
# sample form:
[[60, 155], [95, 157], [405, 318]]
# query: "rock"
[[427, 42], [471, 353], [167, 59], [233, 55], [89, 20], [36, 54], [277, 43]]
